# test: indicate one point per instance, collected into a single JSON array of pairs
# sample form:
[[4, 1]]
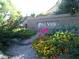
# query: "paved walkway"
[[24, 51]]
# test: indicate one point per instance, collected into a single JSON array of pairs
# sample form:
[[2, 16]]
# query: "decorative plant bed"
[[60, 44]]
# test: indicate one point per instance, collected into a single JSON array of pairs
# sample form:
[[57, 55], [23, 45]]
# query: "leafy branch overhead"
[[7, 9], [68, 6]]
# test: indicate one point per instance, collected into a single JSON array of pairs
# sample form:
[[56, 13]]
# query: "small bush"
[[23, 33]]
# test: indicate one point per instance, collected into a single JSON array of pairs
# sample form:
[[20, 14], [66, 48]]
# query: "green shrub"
[[57, 44], [10, 30], [67, 27], [23, 33]]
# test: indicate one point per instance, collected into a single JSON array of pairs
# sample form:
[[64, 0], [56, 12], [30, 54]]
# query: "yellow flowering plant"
[[55, 45]]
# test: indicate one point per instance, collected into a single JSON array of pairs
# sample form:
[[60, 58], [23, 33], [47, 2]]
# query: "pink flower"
[[44, 30]]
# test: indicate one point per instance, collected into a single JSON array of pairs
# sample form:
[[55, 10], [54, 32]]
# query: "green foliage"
[[58, 44], [41, 14], [33, 14], [68, 6], [10, 30], [23, 32], [9, 26], [7, 7], [67, 27]]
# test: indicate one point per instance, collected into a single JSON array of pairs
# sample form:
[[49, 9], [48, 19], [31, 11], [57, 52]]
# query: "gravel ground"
[[24, 51]]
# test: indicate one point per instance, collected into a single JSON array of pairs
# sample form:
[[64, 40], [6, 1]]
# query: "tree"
[[7, 9], [33, 14], [10, 29], [41, 14], [68, 6]]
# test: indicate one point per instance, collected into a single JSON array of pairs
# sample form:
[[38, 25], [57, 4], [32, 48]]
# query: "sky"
[[27, 7]]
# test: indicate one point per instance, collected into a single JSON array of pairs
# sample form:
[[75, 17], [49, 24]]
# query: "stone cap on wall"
[[52, 16]]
